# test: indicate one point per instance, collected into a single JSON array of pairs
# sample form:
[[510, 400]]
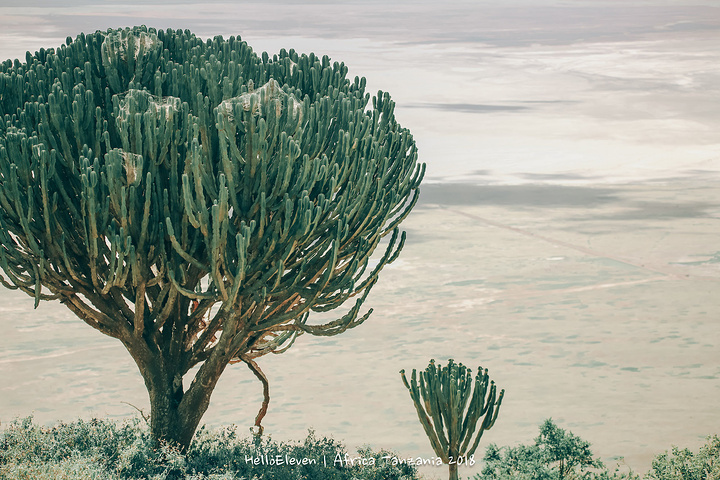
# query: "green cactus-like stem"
[[449, 409], [197, 201]]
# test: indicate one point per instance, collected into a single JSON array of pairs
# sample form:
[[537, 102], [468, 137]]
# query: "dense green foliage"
[[683, 464], [107, 450], [555, 455]]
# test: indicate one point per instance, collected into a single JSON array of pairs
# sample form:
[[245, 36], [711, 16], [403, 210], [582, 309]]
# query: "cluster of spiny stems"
[[450, 409]]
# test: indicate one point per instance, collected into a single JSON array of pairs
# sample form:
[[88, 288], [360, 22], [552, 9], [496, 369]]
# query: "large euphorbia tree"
[[195, 201]]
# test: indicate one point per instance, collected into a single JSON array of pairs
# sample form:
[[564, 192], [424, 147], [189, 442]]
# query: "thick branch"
[[94, 318]]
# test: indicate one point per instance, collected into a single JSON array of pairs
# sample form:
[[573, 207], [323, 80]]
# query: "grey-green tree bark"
[[196, 201]]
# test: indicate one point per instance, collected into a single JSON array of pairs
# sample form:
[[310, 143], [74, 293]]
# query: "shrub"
[[108, 450], [683, 464], [72, 468], [81, 446], [555, 455]]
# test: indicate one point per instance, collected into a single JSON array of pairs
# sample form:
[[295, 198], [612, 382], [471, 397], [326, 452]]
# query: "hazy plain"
[[567, 238]]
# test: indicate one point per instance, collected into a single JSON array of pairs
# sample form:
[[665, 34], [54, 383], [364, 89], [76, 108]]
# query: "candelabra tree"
[[449, 409], [197, 201]]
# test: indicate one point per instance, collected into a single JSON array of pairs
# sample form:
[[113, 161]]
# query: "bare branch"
[[266, 391]]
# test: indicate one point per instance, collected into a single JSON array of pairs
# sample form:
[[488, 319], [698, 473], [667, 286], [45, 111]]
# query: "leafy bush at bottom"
[[683, 464], [107, 450], [555, 455]]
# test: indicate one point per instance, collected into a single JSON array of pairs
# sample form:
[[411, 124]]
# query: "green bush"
[[86, 448], [683, 464], [555, 455], [107, 450]]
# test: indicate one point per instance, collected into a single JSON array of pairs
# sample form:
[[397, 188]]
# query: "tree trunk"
[[453, 458], [168, 423], [174, 413], [453, 467]]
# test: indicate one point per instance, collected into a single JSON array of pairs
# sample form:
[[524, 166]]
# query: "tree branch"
[[266, 391]]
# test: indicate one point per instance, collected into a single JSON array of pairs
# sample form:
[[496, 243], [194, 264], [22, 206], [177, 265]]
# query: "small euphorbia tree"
[[196, 201], [449, 409]]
